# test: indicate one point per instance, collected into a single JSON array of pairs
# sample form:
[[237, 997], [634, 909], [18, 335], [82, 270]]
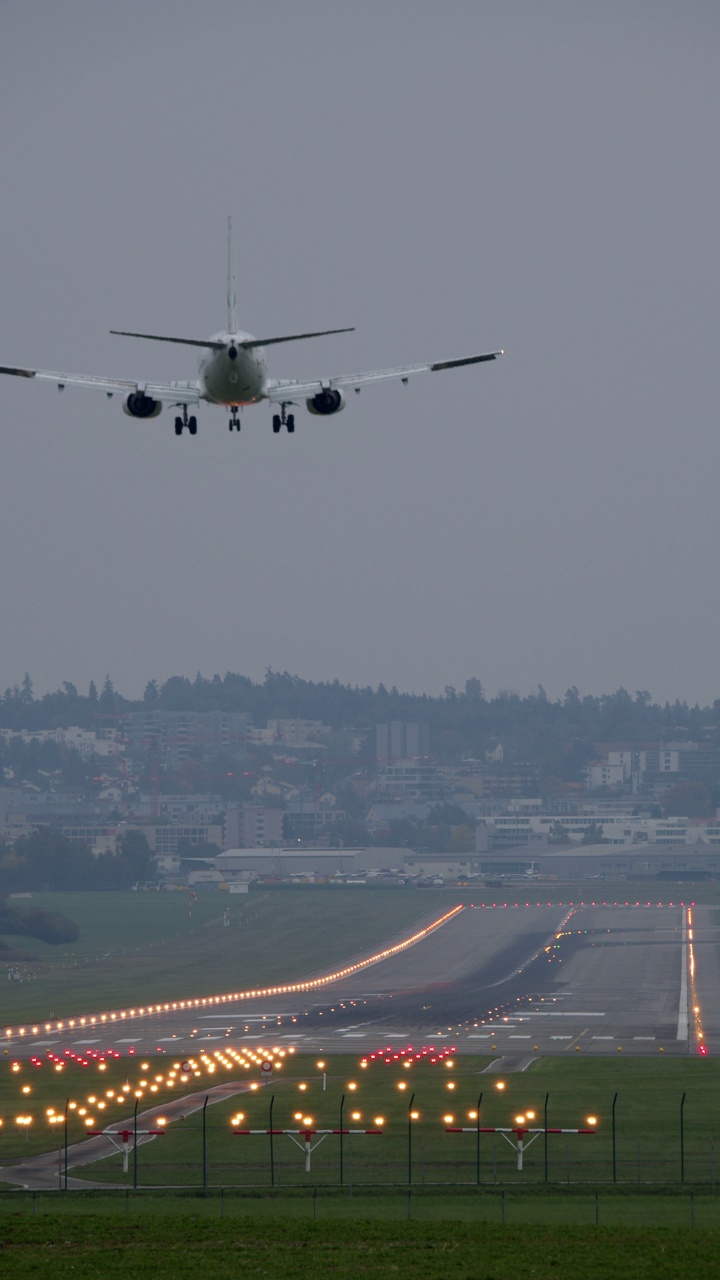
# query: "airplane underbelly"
[[233, 381]]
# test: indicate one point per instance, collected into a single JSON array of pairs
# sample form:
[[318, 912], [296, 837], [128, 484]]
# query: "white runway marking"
[[484, 1036], [355, 1035], [603, 1037], [560, 1013], [643, 1037], [167, 1040], [86, 1041], [519, 1037], [561, 1037], [130, 1040], [682, 1026]]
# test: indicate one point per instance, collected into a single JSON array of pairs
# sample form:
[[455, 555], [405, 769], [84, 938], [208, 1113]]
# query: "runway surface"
[[514, 981]]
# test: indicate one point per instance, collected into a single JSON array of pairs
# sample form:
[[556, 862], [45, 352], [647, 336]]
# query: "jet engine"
[[326, 402], [137, 405]]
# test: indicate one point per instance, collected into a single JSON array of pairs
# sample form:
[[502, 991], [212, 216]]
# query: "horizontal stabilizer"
[[159, 337], [291, 337]]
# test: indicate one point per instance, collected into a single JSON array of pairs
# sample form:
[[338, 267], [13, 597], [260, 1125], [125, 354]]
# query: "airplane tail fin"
[[231, 299]]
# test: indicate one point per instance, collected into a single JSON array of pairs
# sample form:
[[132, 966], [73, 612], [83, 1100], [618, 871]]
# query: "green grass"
[[647, 1148], [147, 1244], [139, 948]]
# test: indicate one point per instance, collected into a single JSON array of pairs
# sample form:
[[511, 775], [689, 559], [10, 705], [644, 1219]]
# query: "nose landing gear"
[[282, 419], [234, 423]]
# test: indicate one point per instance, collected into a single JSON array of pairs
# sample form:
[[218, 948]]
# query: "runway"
[[513, 981]]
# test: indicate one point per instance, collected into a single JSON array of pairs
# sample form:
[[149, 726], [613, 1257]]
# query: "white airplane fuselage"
[[232, 375]]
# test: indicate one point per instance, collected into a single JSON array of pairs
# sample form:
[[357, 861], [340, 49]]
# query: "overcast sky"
[[449, 177]]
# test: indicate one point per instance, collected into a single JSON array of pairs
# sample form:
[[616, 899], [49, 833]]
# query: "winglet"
[[231, 299]]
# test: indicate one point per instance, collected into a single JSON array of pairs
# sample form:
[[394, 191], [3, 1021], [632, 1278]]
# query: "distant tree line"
[[558, 736]]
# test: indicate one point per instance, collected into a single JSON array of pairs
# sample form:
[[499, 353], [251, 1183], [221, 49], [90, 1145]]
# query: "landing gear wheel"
[[178, 426], [277, 423], [290, 423], [192, 426]]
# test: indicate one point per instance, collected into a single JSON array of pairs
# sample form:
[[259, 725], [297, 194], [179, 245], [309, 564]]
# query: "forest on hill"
[[461, 722]]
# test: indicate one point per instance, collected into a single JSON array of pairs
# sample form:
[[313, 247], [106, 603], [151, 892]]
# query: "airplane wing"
[[172, 392], [278, 391]]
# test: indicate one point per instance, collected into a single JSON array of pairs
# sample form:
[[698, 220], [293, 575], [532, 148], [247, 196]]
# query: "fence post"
[[204, 1142], [67, 1105], [692, 1208], [614, 1149], [272, 1149], [409, 1118], [135, 1145], [477, 1143], [342, 1104], [597, 1208], [682, 1139], [545, 1110], [315, 1204], [503, 1206]]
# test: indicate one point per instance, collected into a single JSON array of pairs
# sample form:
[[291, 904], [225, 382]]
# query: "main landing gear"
[[282, 419], [234, 423], [184, 421]]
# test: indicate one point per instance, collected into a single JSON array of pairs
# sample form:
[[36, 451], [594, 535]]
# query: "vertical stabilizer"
[[231, 299]]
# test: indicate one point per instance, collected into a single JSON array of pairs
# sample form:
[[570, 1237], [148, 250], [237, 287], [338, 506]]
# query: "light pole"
[[24, 1122]]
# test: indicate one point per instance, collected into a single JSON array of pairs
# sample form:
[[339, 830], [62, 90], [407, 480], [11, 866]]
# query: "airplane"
[[233, 373]]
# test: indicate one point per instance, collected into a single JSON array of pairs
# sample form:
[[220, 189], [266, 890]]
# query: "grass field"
[[179, 1247], [142, 947]]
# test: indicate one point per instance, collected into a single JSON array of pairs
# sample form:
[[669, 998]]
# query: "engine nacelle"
[[137, 405], [326, 402]]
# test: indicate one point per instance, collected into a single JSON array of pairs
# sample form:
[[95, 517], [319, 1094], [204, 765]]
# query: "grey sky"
[[449, 177]]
